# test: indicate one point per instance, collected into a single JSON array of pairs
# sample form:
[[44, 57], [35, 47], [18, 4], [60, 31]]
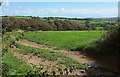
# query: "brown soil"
[[74, 55], [49, 66]]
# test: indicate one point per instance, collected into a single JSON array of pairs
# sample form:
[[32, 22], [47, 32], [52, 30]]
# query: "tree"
[[87, 23]]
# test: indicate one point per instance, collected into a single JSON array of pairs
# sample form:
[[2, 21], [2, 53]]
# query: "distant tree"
[[87, 23]]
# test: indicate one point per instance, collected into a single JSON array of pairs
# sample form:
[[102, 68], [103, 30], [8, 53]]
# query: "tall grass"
[[11, 65], [16, 66]]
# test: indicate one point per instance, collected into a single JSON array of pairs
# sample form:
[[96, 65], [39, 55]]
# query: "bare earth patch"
[[74, 55], [43, 64]]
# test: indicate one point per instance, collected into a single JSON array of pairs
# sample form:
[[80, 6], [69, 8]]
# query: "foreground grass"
[[50, 55], [13, 65], [69, 40], [16, 66]]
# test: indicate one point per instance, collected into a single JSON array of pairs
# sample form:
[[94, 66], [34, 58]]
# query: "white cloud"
[[62, 9], [106, 12], [61, 0]]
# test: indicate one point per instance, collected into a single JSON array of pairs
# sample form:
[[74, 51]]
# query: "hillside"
[[55, 23], [60, 46]]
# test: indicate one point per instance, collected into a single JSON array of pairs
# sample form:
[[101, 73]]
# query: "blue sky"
[[63, 9], [61, 0]]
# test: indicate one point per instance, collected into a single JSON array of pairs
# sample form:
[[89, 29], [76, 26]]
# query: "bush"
[[108, 44]]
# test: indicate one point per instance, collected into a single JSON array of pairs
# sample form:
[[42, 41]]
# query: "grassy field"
[[68, 40], [16, 66]]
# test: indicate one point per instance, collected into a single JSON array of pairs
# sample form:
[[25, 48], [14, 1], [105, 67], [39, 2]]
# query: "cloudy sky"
[[61, 0], [62, 9]]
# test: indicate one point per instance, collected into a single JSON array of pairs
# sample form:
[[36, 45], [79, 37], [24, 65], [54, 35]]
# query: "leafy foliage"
[[108, 44]]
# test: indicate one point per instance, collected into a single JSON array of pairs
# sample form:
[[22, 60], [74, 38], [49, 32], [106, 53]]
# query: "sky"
[[61, 9], [61, 0]]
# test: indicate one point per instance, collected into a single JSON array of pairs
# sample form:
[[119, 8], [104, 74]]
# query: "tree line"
[[51, 23], [33, 24]]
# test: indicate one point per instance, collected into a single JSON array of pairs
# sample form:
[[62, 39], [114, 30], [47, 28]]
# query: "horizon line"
[[60, 16]]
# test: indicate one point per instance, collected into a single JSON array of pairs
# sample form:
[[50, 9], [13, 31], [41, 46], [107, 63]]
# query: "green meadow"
[[68, 40]]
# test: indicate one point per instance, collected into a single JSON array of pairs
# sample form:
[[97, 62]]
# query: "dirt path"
[[43, 64], [50, 66], [74, 55]]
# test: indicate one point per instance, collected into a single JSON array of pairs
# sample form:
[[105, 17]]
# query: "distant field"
[[68, 40]]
